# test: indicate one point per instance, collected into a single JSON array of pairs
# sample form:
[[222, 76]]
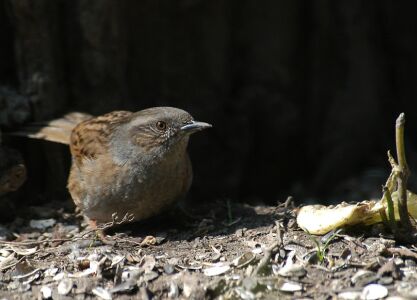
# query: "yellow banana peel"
[[320, 219]]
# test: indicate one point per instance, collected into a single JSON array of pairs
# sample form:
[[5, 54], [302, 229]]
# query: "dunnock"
[[127, 163]]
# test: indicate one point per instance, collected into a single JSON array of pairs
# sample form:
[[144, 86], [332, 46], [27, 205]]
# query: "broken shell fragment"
[[295, 270], [374, 292], [46, 292], [291, 287], [244, 259], [65, 286], [217, 269], [102, 293]]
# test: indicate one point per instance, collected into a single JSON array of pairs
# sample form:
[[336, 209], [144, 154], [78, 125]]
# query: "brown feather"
[[89, 138], [57, 130]]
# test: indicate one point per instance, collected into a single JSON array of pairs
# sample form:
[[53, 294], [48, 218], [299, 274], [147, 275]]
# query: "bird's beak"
[[195, 126]]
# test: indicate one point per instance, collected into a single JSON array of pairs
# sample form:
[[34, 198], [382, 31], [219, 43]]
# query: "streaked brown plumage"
[[124, 162]]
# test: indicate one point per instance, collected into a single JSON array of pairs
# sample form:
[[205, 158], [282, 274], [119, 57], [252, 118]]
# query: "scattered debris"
[[65, 286], [42, 224], [292, 270], [374, 292], [291, 287], [244, 259], [102, 293], [349, 295], [363, 277], [46, 292], [269, 259], [216, 269]]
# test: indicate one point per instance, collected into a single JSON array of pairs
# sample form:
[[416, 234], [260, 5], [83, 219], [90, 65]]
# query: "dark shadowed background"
[[303, 95]]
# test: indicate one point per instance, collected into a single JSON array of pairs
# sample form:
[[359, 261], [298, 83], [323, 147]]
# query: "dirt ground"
[[225, 251]]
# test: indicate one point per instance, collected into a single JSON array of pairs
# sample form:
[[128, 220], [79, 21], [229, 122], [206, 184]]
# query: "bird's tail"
[[57, 130]]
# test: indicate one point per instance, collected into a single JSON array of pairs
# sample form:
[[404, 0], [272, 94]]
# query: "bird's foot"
[[100, 233]]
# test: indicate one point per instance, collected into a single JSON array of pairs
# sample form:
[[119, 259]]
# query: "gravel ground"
[[226, 251]]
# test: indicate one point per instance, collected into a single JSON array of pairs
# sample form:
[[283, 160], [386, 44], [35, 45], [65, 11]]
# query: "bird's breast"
[[142, 189]]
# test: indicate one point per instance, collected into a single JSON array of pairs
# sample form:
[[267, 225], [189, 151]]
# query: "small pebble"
[[409, 263], [363, 277], [42, 224], [216, 270], [173, 290], [386, 280], [295, 270], [169, 269], [65, 286], [374, 292], [149, 276], [349, 295], [46, 292], [291, 287], [102, 293]]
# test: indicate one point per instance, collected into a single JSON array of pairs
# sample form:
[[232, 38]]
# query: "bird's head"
[[157, 131]]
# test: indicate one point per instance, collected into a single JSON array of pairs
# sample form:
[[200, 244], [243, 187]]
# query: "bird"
[[125, 162]]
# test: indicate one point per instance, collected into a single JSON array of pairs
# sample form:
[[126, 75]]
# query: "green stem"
[[403, 173], [384, 219], [390, 207], [399, 142]]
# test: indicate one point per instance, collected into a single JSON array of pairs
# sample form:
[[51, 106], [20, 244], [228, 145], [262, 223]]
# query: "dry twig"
[[269, 251], [403, 173]]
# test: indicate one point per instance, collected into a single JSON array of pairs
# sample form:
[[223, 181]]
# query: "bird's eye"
[[161, 125]]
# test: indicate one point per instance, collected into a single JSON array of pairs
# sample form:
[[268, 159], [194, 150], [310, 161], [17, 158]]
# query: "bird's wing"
[[90, 138]]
